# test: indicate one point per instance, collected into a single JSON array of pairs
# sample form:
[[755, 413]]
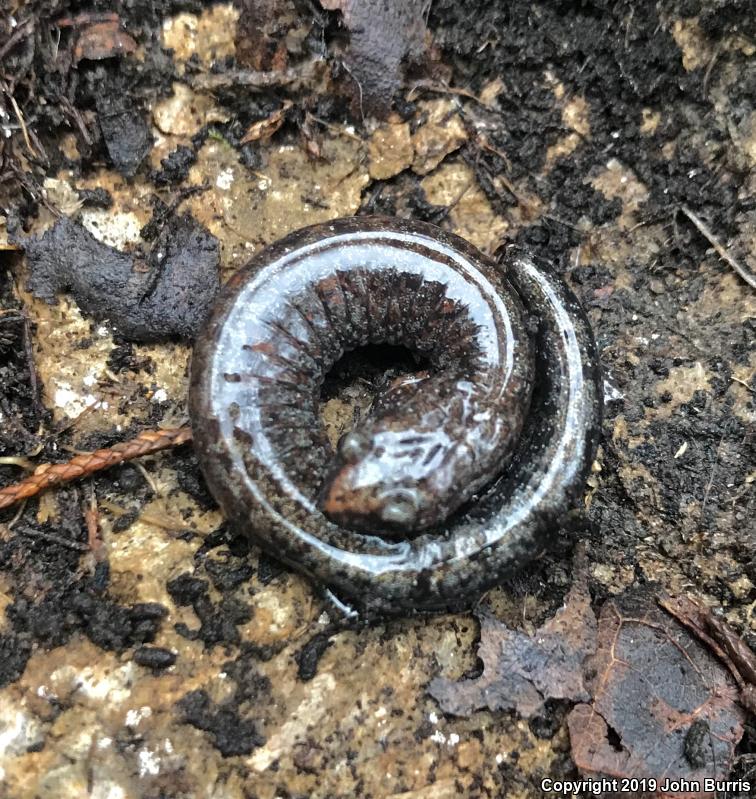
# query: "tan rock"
[[184, 113], [210, 35], [390, 149], [441, 134]]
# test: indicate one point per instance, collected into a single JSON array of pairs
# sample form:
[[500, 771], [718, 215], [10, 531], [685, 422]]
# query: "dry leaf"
[[263, 129], [663, 706], [103, 40], [520, 672]]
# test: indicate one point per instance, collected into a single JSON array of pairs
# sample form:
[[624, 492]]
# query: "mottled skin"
[[451, 463], [433, 441], [427, 447]]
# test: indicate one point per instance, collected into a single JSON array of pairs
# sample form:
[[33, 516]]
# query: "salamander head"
[[380, 482]]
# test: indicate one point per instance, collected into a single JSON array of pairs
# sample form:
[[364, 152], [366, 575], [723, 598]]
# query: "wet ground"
[[174, 660]]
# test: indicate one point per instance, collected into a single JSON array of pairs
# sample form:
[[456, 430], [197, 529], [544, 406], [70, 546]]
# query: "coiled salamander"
[[456, 477]]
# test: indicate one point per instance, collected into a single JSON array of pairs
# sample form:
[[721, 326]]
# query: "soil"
[[185, 663]]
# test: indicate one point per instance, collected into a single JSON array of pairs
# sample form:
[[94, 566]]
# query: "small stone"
[[154, 657]]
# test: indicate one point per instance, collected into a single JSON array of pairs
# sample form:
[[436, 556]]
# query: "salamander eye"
[[400, 508], [353, 446]]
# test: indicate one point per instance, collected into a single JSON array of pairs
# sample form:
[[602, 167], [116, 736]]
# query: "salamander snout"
[[399, 507], [365, 492]]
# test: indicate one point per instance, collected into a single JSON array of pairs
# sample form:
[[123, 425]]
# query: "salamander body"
[[456, 475]]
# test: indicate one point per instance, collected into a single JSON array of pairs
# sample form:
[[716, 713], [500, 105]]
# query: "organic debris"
[[266, 31], [161, 295], [520, 671], [263, 129], [652, 701], [124, 126], [721, 640], [231, 734], [383, 37], [103, 39], [662, 704], [722, 252]]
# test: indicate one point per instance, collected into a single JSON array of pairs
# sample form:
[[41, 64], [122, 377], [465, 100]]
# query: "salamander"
[[458, 475]]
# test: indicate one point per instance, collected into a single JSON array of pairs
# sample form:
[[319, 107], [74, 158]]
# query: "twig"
[[147, 517], [704, 230], [12, 523], [12, 315], [75, 421], [50, 474], [337, 129], [442, 88], [711, 477], [19, 34], [56, 539], [94, 536], [75, 114], [29, 353], [22, 123], [483, 142], [87, 18], [650, 221], [709, 68], [454, 203], [255, 80], [562, 222]]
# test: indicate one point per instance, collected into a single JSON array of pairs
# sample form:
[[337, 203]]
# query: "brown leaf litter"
[[652, 700], [663, 706], [520, 672]]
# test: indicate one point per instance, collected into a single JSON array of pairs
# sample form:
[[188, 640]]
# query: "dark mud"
[[160, 294]]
